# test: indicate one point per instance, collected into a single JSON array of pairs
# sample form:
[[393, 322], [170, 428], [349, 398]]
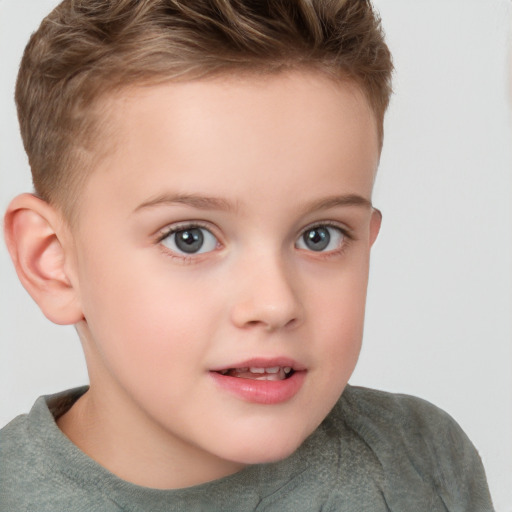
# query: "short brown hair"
[[85, 49]]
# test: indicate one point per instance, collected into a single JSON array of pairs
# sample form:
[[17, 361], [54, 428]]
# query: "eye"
[[321, 239], [190, 240]]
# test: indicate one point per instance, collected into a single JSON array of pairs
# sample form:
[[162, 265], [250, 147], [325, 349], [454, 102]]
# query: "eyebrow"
[[216, 203], [193, 200], [336, 201]]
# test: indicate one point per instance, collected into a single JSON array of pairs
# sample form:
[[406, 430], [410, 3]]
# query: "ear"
[[375, 223], [34, 233]]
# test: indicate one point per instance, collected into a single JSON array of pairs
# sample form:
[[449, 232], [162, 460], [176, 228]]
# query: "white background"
[[440, 299]]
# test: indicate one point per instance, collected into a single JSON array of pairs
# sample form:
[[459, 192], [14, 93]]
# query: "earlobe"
[[33, 233], [375, 224]]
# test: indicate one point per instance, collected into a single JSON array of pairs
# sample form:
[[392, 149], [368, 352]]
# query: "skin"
[[279, 154]]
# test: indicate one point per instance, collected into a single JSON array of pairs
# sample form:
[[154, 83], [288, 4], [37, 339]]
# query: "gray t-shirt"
[[375, 452]]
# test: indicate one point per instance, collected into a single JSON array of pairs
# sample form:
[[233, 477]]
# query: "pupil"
[[189, 240], [317, 239]]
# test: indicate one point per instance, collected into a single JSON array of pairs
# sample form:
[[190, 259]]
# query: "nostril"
[[292, 322], [268, 312], [272, 322], [270, 325]]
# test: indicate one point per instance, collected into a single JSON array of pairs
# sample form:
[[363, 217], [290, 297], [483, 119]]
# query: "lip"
[[262, 391]]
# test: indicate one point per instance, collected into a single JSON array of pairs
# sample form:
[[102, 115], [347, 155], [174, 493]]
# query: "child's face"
[[229, 229]]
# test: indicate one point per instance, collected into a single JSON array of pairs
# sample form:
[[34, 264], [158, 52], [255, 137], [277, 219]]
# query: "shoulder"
[[32, 474], [417, 445], [396, 412], [15, 448], [404, 426], [422, 430]]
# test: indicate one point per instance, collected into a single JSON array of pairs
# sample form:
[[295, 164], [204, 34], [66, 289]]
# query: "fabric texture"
[[375, 452]]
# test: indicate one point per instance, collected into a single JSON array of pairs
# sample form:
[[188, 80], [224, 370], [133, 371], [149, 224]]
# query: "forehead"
[[239, 133], [295, 93]]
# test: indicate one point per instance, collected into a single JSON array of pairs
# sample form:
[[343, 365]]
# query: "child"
[[203, 216]]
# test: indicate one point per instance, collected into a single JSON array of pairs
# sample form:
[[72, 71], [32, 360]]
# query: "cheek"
[[339, 319], [146, 323], [340, 296]]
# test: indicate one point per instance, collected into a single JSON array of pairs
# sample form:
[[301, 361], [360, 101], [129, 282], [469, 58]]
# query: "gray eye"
[[193, 240], [321, 238]]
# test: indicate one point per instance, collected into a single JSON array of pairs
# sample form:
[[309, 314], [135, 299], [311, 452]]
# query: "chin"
[[267, 450]]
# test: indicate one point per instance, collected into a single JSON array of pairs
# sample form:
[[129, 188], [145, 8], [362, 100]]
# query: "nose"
[[266, 295]]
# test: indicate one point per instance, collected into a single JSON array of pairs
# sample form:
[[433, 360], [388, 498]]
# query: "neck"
[[134, 449]]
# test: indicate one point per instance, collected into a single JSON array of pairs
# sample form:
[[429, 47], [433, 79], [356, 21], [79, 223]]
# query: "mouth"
[[262, 380], [273, 373]]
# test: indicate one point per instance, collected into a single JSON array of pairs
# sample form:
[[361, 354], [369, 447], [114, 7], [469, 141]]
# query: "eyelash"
[[175, 228], [348, 238]]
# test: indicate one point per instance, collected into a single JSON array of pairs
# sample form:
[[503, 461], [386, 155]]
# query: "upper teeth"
[[274, 369]]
